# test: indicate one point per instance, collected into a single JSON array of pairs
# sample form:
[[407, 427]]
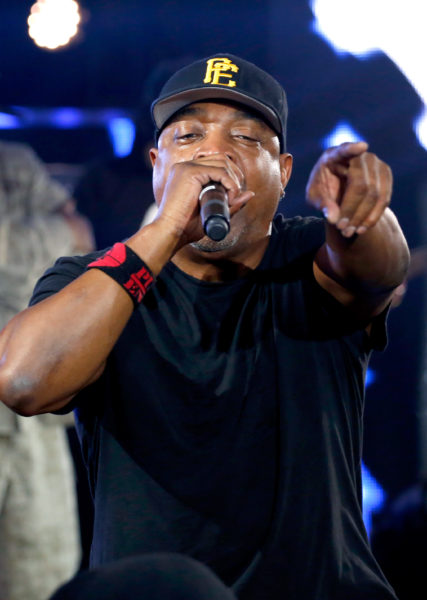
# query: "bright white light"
[[390, 26], [420, 127], [343, 132], [53, 23], [347, 25], [122, 135]]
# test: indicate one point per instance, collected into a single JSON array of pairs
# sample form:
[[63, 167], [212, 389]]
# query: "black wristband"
[[123, 265]]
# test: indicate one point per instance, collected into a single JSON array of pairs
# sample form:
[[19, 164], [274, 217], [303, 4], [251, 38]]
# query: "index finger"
[[345, 152]]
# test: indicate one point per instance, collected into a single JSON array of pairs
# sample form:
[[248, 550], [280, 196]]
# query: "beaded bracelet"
[[123, 265]]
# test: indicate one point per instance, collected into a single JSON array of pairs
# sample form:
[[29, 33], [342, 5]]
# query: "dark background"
[[117, 62]]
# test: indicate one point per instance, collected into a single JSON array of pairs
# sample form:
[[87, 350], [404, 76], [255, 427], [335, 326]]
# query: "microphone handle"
[[214, 211]]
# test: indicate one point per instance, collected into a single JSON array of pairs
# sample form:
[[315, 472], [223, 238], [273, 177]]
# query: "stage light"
[[118, 122], [373, 497], [370, 378], [66, 117], [343, 132], [122, 135], [345, 25], [53, 23], [420, 127], [369, 26], [8, 121]]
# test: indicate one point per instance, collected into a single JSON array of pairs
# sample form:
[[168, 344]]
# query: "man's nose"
[[212, 145]]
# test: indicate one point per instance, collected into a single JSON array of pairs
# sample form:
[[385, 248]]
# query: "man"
[[39, 541], [218, 385]]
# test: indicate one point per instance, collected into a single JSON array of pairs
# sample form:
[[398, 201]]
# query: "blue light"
[[66, 117], [343, 132], [8, 121], [371, 376], [373, 494], [373, 497], [122, 135]]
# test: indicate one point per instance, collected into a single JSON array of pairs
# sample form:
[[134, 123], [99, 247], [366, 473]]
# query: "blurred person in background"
[[39, 537], [116, 193]]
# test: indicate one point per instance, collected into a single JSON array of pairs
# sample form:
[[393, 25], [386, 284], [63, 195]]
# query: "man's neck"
[[219, 266]]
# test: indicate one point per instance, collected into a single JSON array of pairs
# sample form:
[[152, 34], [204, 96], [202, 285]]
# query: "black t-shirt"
[[228, 426]]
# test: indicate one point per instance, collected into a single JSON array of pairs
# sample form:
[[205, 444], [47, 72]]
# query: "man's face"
[[218, 131]]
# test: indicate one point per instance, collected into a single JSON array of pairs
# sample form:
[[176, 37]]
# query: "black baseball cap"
[[224, 76]]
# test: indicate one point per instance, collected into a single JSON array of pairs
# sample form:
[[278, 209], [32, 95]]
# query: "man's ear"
[[286, 162], [153, 152]]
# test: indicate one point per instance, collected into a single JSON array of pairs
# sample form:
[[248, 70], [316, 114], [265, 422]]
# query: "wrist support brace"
[[123, 265]]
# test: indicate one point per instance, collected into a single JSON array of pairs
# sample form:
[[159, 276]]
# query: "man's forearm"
[[373, 263], [52, 350]]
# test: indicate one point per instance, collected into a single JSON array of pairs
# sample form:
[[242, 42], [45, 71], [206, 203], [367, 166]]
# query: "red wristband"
[[123, 265]]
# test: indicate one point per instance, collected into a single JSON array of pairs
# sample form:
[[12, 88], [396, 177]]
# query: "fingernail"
[[362, 229], [349, 231], [325, 212], [342, 223]]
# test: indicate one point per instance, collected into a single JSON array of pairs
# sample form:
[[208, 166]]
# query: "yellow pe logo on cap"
[[218, 68]]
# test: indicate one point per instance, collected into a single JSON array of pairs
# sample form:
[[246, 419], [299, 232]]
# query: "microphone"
[[214, 211]]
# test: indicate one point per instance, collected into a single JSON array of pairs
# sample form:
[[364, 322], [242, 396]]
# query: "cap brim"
[[165, 108]]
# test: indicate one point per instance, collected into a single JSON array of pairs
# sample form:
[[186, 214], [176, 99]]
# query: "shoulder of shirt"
[[79, 261], [282, 223], [307, 232], [65, 270], [292, 240]]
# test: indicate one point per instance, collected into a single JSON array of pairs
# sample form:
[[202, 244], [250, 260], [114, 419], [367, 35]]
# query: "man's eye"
[[186, 136], [247, 138]]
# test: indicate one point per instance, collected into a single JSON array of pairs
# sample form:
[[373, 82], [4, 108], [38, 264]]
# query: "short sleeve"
[[297, 242], [294, 241], [64, 271]]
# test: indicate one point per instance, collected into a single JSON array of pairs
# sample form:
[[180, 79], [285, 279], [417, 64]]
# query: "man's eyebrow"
[[246, 114], [187, 111]]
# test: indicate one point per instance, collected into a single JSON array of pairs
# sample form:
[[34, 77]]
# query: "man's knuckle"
[[373, 194], [360, 187]]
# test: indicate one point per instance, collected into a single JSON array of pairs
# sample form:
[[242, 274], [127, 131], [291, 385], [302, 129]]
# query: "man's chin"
[[210, 246]]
